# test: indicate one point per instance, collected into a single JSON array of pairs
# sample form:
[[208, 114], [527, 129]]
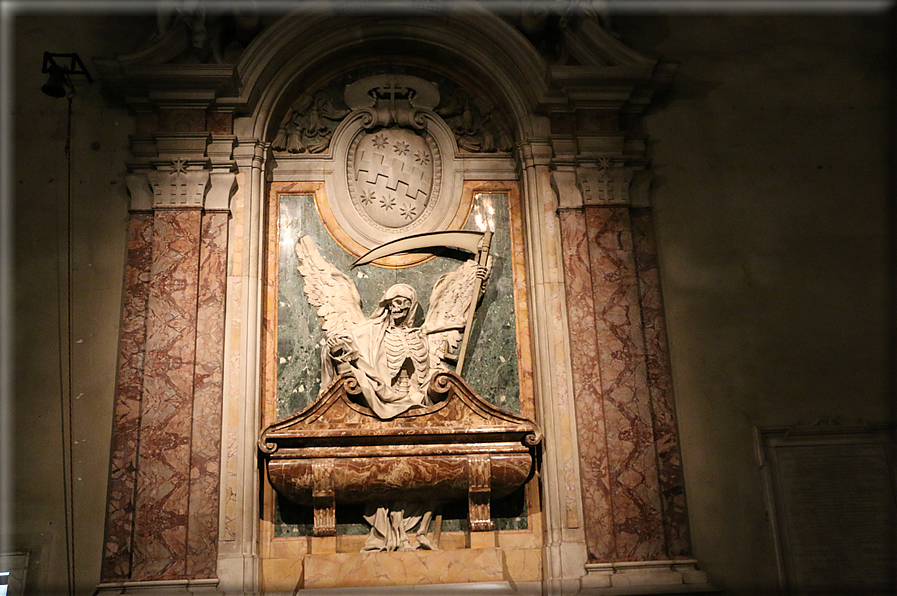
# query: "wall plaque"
[[832, 494]]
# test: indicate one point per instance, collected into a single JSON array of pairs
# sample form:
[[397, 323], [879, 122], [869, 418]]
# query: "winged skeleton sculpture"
[[392, 361]]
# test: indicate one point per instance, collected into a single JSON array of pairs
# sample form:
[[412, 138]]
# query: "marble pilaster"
[[238, 517], [633, 491], [565, 548], [599, 529], [162, 511], [163, 464], [660, 383], [629, 424], [205, 465], [129, 389]]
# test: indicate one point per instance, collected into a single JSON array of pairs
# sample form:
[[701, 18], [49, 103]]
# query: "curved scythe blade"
[[463, 239]]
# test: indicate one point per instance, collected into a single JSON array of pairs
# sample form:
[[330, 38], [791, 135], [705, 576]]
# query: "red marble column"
[[633, 496], [129, 390], [163, 465], [205, 462], [660, 384], [162, 521]]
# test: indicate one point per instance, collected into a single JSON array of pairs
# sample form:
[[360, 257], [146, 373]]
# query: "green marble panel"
[[491, 367]]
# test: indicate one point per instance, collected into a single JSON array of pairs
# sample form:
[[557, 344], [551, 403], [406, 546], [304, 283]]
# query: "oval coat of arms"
[[393, 173]]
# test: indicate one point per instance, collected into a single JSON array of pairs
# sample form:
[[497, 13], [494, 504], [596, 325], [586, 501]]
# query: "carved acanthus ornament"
[[476, 126], [309, 124]]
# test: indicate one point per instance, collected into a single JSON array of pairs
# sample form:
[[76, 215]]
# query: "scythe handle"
[[482, 259]]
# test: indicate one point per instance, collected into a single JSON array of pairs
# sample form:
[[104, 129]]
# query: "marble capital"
[[180, 187], [563, 182], [535, 153], [605, 183]]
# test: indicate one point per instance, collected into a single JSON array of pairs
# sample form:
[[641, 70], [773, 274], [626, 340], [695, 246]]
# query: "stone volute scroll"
[[395, 427]]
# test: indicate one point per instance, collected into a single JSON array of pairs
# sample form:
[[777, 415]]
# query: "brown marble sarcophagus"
[[337, 450]]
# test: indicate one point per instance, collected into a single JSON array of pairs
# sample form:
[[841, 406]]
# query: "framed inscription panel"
[[831, 492]]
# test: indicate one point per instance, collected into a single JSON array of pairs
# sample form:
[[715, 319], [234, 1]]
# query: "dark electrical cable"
[[65, 369]]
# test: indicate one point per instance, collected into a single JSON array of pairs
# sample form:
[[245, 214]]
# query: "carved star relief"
[[380, 141], [408, 211], [387, 203], [422, 158], [604, 163], [367, 197], [401, 147], [179, 166]]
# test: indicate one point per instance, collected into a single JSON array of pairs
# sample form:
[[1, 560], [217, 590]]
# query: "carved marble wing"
[[328, 289], [447, 314]]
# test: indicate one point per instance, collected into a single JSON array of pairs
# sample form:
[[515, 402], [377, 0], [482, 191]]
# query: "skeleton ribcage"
[[406, 354]]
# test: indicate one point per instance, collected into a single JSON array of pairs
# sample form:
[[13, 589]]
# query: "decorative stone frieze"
[[604, 184], [181, 171], [177, 188]]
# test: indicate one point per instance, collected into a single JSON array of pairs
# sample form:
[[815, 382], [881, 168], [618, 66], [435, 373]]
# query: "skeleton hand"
[[482, 272], [341, 347]]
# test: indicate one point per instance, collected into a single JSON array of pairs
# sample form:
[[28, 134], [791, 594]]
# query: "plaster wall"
[[772, 172], [99, 223]]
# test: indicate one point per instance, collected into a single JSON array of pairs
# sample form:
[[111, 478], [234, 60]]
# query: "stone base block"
[[469, 589], [344, 570], [180, 587], [645, 577]]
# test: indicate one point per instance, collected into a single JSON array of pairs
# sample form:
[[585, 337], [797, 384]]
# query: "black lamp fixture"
[[59, 83]]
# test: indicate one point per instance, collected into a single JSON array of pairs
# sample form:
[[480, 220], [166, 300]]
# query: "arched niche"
[[467, 43], [573, 147]]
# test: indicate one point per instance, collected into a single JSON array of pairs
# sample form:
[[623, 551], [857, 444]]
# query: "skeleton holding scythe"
[[392, 361]]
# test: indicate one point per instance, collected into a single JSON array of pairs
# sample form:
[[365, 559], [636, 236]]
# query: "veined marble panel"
[[128, 395], [491, 367], [205, 459], [660, 383], [593, 467], [524, 345], [492, 364], [163, 476], [634, 487]]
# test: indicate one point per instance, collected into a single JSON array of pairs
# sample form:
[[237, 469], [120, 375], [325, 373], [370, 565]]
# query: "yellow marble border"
[[345, 570]]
